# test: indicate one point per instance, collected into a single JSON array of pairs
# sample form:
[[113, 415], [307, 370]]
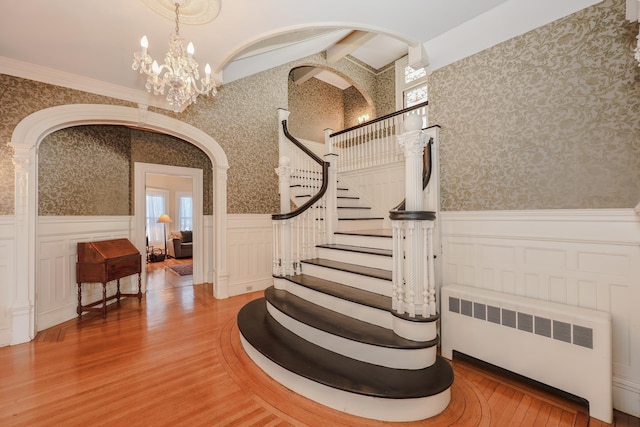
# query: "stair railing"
[[372, 143], [413, 276], [296, 233]]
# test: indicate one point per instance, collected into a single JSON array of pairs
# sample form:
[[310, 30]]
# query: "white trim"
[[140, 172], [25, 139]]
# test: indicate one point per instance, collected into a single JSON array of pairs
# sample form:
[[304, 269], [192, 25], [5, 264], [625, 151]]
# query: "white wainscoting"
[[250, 249], [381, 187], [209, 248], [7, 276], [56, 254], [585, 258]]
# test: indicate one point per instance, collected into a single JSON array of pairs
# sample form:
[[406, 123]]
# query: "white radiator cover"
[[563, 346]]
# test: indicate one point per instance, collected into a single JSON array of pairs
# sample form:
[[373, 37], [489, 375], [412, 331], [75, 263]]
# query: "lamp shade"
[[164, 218]]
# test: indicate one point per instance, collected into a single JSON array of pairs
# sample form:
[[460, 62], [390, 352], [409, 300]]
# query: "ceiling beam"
[[348, 44], [302, 74]]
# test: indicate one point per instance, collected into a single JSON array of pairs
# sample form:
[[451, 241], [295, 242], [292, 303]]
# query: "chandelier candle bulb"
[[190, 50], [144, 43]]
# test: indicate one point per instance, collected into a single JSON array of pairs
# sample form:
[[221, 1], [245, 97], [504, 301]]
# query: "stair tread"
[[359, 249], [338, 324], [338, 290], [310, 361], [351, 268], [383, 232], [355, 295], [360, 219], [353, 207]]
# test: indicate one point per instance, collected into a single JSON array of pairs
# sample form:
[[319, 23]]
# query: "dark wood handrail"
[[379, 119], [325, 180]]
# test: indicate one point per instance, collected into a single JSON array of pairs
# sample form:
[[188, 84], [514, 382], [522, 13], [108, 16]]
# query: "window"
[[184, 202], [411, 87], [156, 206]]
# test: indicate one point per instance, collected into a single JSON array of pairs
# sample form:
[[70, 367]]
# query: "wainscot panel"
[[250, 250], [56, 289], [7, 276], [584, 258]]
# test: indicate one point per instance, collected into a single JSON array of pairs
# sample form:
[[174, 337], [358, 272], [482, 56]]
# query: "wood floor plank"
[[176, 359]]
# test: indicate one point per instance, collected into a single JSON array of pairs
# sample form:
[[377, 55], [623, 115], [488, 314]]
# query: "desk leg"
[[104, 300], [139, 288], [79, 309], [118, 292]]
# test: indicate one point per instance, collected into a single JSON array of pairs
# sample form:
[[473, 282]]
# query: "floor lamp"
[[164, 219]]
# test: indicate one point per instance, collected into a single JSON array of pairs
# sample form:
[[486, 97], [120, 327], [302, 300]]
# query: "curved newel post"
[[413, 256]]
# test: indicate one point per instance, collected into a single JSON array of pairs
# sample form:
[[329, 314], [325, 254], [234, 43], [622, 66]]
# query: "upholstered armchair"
[[181, 244]]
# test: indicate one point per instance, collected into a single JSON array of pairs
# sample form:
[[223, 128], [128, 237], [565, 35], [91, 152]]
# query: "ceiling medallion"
[[192, 12]]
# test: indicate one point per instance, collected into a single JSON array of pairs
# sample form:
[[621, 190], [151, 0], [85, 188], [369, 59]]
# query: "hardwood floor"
[[176, 359]]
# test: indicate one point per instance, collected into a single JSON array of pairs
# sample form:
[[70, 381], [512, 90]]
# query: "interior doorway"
[[171, 183]]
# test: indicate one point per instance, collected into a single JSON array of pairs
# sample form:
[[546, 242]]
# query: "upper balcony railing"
[[372, 143]]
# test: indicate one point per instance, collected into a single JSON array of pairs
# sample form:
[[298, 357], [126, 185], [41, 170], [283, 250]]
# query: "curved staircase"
[[331, 334]]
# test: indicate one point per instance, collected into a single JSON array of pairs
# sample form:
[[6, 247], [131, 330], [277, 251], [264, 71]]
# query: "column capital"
[[413, 143]]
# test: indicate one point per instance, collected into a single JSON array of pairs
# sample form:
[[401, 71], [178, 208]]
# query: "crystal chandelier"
[[179, 73]]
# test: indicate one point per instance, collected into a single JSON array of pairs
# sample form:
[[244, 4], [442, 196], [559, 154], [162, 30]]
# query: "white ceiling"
[[89, 45]]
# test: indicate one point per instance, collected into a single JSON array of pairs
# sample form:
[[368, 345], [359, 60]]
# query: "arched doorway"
[[25, 140]]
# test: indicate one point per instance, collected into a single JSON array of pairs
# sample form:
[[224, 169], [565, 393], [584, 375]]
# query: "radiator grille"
[[526, 322]]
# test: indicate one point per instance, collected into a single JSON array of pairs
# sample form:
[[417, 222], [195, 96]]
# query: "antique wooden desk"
[[103, 262]]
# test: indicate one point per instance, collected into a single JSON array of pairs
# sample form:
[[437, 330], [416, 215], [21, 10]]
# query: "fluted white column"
[[413, 143], [22, 308]]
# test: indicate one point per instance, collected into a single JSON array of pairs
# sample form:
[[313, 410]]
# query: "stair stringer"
[[393, 410], [409, 329]]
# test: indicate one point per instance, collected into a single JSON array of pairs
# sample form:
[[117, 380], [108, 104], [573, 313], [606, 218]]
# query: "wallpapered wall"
[[242, 119], [384, 94], [20, 98], [314, 106], [88, 170], [549, 119], [355, 105], [84, 170]]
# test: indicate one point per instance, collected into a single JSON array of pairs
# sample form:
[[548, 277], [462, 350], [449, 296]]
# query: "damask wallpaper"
[[88, 170], [20, 98], [355, 105], [84, 170], [314, 106], [385, 91], [547, 120]]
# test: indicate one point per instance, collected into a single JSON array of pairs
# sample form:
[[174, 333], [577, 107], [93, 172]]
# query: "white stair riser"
[[371, 284], [416, 331], [382, 356], [343, 202], [354, 225], [358, 258], [394, 410], [364, 241], [354, 213]]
